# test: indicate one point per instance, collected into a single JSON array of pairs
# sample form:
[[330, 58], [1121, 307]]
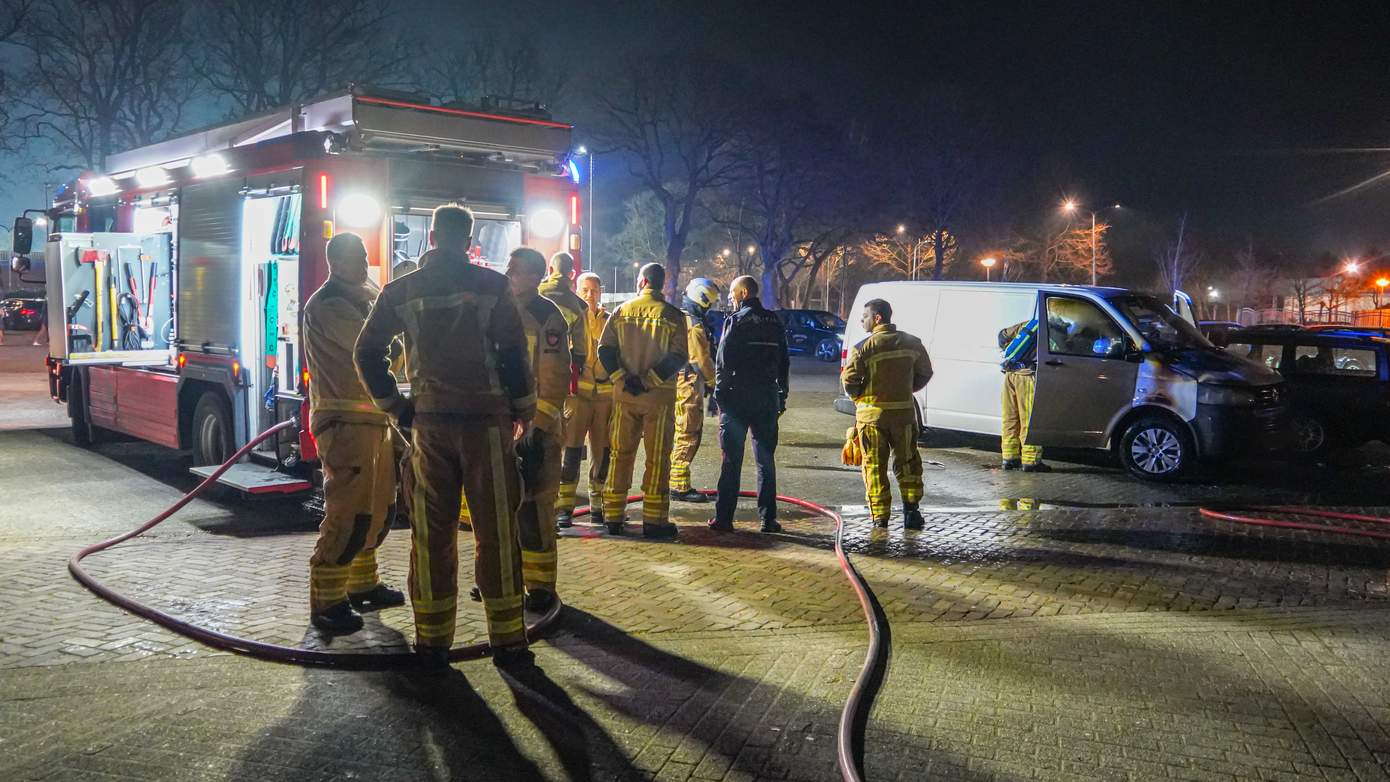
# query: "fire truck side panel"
[[101, 397]]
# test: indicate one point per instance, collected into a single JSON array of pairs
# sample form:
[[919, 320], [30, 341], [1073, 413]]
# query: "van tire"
[[1311, 436], [212, 430], [1157, 448]]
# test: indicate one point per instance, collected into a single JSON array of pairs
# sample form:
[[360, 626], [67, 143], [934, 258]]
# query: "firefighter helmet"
[[703, 291]]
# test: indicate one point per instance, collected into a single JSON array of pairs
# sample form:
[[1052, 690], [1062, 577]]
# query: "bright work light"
[[102, 186], [154, 176], [359, 211], [547, 223], [209, 165]]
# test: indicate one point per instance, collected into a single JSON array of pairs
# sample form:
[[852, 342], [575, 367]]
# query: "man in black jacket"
[[750, 388]]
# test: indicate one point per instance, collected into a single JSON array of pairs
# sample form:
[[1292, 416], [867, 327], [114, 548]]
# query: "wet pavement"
[[1075, 625]]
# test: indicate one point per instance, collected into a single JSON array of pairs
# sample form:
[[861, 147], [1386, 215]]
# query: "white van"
[[1117, 369]]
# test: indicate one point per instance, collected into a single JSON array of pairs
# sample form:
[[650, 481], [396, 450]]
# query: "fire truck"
[[175, 278]]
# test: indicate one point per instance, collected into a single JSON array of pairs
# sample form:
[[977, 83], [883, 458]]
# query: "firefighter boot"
[[379, 596], [513, 656], [689, 495], [614, 527], [539, 599], [337, 619], [1011, 464], [564, 519], [1037, 467], [665, 531], [912, 518]]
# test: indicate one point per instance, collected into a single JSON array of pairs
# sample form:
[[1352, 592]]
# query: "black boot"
[[337, 619], [720, 526], [770, 525], [1037, 467], [912, 518], [1011, 464], [539, 600], [881, 523], [379, 596], [432, 660], [614, 527], [689, 495], [595, 515], [513, 656], [665, 531], [564, 519]]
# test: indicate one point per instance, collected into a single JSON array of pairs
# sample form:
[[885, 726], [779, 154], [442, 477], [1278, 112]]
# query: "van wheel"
[[1155, 448], [1310, 436], [212, 430]]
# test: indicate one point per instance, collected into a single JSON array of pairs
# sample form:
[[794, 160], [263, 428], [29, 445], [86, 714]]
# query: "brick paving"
[[1068, 643]]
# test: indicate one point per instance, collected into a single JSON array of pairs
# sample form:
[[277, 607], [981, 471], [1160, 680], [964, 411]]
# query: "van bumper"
[[1224, 431], [843, 404]]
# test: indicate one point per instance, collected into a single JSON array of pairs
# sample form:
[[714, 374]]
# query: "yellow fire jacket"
[[593, 378], [881, 374], [557, 288], [698, 373], [547, 345], [333, 316], [645, 338], [465, 345]]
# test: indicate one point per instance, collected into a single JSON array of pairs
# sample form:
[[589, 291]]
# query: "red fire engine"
[[177, 275]]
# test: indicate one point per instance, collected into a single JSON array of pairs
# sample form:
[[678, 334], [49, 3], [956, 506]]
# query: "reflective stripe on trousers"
[[879, 443], [1016, 412]]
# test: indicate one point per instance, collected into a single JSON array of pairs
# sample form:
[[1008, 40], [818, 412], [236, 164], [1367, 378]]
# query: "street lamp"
[[1352, 267], [585, 153], [1381, 283], [988, 263], [901, 229], [1070, 206]]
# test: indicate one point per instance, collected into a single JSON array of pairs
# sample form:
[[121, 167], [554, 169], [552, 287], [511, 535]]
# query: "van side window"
[[1269, 355], [1325, 360], [1076, 327]]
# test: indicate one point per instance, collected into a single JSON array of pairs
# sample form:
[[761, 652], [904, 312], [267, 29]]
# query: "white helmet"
[[703, 291]]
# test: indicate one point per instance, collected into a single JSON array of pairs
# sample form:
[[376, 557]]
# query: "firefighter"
[[538, 448], [694, 382], [472, 392], [881, 374], [587, 413], [354, 444], [642, 348], [1020, 345], [558, 286]]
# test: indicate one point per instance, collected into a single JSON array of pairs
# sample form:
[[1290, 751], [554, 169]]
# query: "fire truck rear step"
[[255, 479]]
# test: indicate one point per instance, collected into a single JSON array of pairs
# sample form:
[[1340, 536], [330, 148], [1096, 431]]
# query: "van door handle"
[[1053, 362]]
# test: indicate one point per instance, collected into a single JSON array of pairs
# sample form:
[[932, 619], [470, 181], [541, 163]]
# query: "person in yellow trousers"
[[693, 384], [587, 414], [558, 286], [354, 445], [642, 348], [472, 392], [881, 374], [538, 448], [1020, 345]]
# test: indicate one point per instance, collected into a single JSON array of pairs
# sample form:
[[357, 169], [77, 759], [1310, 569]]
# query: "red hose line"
[[849, 739], [1259, 521]]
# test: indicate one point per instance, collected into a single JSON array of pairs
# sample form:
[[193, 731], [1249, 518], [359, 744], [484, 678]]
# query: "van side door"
[[1085, 377]]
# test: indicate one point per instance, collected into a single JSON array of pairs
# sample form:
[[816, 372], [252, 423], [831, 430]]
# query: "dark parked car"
[[23, 309], [814, 333], [1214, 330], [1337, 381]]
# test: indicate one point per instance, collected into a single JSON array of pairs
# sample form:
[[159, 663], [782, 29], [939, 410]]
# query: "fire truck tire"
[[212, 430]]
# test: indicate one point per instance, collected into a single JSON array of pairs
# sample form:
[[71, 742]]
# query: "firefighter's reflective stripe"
[[547, 409]]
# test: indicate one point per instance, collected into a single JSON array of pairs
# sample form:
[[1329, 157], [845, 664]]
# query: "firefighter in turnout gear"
[[642, 348], [538, 448], [881, 374], [1020, 345], [471, 390], [694, 382], [355, 449], [558, 286], [587, 414]]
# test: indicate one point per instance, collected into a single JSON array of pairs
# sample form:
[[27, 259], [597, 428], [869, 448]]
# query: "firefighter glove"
[[633, 385]]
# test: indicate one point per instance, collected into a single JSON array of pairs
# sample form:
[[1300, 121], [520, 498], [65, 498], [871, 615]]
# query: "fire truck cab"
[[175, 279]]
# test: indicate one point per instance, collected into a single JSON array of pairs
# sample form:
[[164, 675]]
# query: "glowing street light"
[[1381, 283], [1070, 206], [752, 249], [1352, 267], [988, 263], [901, 229], [727, 252]]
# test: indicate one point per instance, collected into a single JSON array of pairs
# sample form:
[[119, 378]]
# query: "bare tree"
[[13, 15], [674, 122], [903, 253], [1177, 259], [105, 74], [504, 64], [1058, 253], [262, 54]]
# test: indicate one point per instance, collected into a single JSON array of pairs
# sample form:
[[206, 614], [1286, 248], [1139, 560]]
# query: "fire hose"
[[1332, 529], [853, 717]]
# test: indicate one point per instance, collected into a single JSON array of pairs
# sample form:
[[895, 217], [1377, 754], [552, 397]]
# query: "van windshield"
[[1159, 324]]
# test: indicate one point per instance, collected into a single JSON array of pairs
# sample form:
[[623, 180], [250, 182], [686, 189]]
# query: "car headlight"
[[1230, 396]]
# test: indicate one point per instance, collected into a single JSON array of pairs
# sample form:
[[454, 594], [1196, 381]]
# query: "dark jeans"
[[734, 426]]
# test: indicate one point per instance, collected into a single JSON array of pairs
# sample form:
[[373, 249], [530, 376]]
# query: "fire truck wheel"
[[212, 430], [83, 433]]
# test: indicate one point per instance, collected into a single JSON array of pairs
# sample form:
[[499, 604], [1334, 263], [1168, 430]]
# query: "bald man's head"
[[653, 276], [562, 263], [742, 289], [347, 258]]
